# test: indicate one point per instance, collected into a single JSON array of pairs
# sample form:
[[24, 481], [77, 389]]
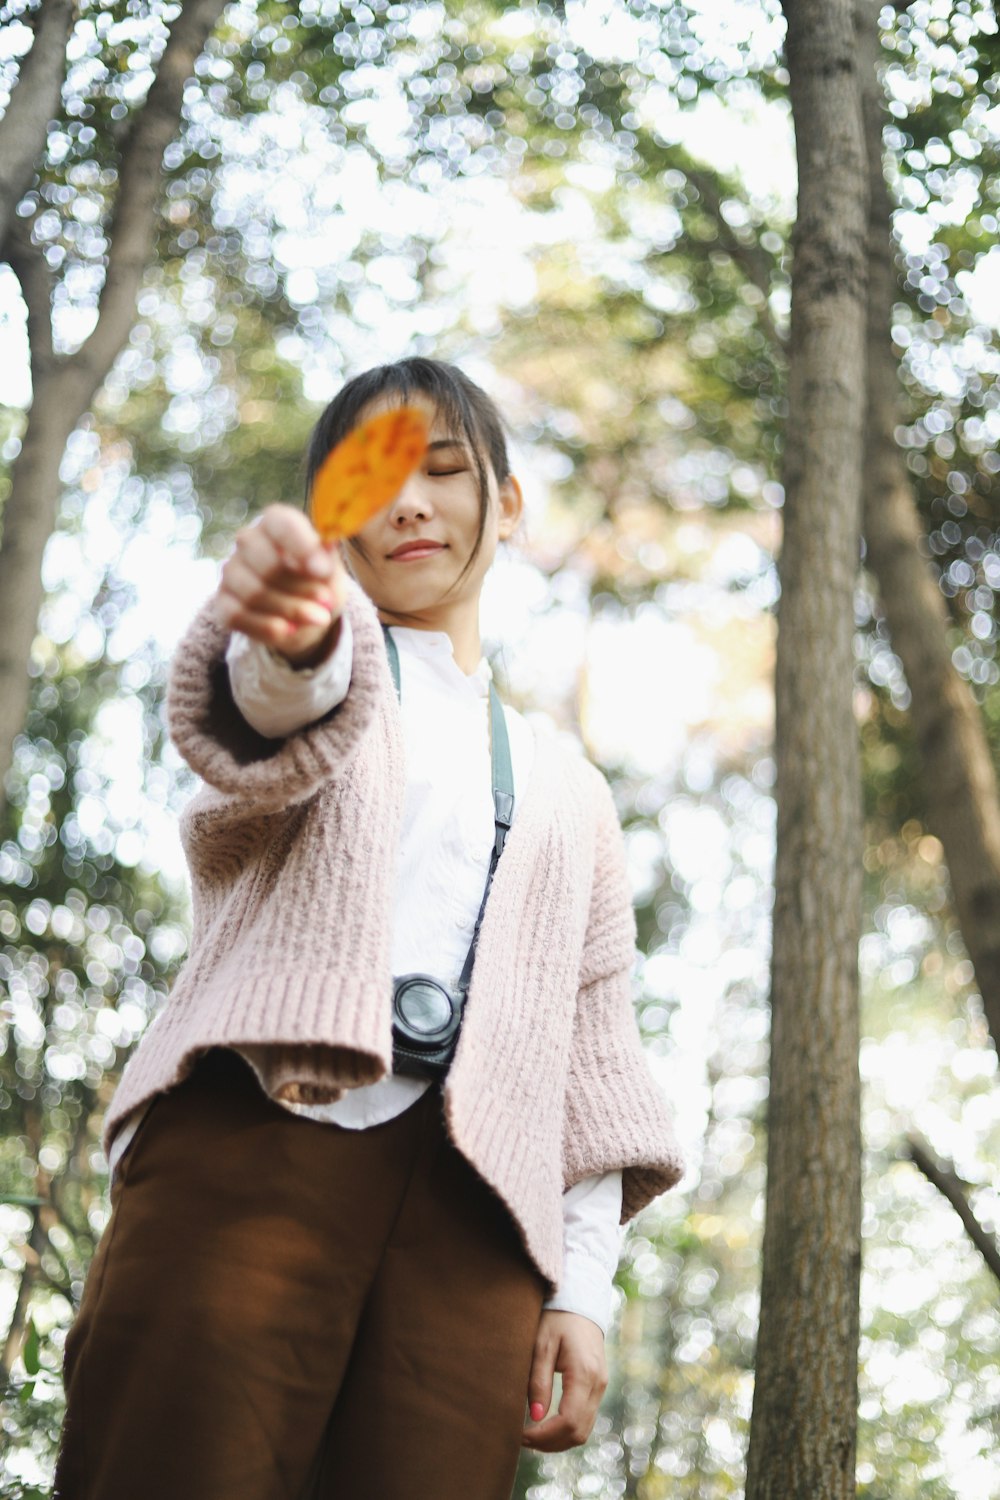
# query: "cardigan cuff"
[[265, 774]]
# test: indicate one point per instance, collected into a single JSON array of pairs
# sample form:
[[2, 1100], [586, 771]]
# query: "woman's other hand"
[[283, 585], [573, 1345]]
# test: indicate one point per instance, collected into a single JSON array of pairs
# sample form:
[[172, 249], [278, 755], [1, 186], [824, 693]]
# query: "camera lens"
[[425, 1008]]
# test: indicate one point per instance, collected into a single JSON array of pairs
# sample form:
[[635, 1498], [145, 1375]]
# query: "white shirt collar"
[[436, 647]]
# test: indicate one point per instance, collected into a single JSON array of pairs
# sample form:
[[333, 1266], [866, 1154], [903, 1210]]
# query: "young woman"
[[371, 1159]]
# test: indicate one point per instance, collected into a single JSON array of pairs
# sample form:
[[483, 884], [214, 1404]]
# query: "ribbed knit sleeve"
[[616, 1114], [252, 773]]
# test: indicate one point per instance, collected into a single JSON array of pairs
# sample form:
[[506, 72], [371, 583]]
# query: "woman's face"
[[439, 503]]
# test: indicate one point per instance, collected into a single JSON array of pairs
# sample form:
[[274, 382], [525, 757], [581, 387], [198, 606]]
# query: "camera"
[[426, 1017]]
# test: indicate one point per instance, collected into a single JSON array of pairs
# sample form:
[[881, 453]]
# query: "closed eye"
[[443, 473]]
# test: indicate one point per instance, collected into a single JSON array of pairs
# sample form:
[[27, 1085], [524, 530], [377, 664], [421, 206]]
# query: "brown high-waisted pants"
[[286, 1310]]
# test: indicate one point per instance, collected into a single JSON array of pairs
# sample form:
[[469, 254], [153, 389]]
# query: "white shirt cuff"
[[276, 698], [592, 1239]]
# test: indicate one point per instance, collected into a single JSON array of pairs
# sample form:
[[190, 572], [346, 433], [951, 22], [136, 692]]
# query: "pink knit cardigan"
[[291, 847]]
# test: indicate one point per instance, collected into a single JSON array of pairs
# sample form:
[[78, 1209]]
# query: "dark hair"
[[464, 406]]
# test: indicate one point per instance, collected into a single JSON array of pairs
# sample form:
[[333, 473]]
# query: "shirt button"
[[461, 922]]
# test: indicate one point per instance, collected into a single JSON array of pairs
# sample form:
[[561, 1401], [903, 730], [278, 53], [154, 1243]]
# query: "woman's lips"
[[414, 553]]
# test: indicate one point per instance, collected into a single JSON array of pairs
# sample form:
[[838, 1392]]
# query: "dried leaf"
[[366, 470]]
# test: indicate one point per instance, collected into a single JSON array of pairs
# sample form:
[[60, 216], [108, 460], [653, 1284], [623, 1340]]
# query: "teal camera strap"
[[503, 790]]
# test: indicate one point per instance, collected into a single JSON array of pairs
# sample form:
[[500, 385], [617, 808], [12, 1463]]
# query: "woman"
[[346, 1248]]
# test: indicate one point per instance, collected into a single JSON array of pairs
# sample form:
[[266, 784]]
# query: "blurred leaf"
[[30, 1351]]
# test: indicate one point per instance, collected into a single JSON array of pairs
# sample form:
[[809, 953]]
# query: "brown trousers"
[[286, 1310]]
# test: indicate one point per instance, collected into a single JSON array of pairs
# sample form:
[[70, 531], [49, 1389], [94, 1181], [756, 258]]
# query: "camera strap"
[[503, 792]]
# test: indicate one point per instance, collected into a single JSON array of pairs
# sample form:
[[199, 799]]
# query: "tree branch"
[[33, 103], [947, 1181], [30, 1273], [133, 223], [752, 261], [27, 261]]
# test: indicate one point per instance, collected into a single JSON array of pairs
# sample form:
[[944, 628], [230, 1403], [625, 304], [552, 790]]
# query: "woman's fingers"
[[257, 550], [249, 593], [270, 630], [543, 1363], [282, 585], [577, 1352], [292, 532], [574, 1421]]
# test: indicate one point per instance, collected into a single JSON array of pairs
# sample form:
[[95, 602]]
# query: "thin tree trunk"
[[31, 1271], [803, 1428], [33, 102], [29, 518], [959, 778], [64, 386], [14, 1337]]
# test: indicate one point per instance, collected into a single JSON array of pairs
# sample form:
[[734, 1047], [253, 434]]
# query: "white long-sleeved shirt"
[[446, 840]]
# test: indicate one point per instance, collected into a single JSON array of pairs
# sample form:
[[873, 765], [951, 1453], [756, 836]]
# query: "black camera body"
[[426, 1017]]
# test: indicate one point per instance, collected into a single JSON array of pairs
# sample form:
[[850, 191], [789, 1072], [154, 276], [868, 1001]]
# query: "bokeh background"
[[588, 206]]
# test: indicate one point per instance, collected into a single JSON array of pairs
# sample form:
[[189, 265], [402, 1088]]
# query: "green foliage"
[[89, 937]]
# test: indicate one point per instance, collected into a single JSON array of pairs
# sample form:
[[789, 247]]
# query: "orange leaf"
[[366, 470]]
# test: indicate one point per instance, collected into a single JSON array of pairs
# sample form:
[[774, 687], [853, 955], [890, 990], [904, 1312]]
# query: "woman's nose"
[[412, 497]]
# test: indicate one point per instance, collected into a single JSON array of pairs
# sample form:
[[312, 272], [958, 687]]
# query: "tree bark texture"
[[33, 103], [803, 1429], [959, 778], [63, 386]]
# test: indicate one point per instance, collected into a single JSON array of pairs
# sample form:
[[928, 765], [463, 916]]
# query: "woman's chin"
[[420, 597], [420, 594]]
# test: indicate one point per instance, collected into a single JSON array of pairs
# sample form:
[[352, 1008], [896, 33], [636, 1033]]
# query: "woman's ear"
[[511, 505]]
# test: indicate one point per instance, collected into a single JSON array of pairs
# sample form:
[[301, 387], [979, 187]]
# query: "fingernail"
[[318, 565], [537, 1411], [316, 614]]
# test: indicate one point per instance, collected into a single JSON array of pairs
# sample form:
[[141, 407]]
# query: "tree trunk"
[[33, 101], [959, 778], [29, 518], [14, 1338], [803, 1429], [64, 386]]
